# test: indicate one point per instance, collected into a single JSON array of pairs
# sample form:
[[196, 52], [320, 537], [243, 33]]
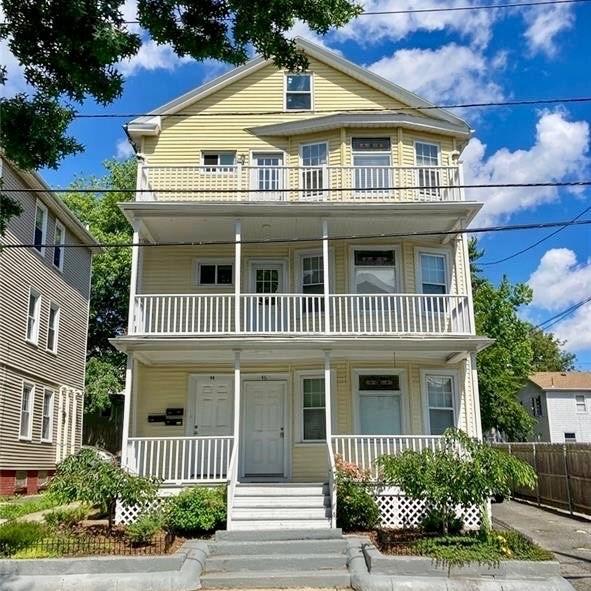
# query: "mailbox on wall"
[[174, 416]]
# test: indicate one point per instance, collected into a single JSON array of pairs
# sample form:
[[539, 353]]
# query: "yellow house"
[[301, 295]]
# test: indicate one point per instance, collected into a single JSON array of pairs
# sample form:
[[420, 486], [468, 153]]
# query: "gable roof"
[[150, 125], [556, 380]]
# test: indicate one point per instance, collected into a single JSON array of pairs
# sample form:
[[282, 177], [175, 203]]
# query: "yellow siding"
[[160, 387]]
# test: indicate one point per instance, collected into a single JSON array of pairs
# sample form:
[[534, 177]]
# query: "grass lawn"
[[19, 506], [461, 549]]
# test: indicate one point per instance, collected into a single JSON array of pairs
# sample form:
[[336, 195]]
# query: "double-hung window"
[[433, 269], [214, 273], [374, 271], [53, 327], [580, 402], [440, 400], [40, 232], [27, 402], [313, 409], [47, 417], [312, 274], [570, 437], [298, 92], [427, 161], [33, 316], [58, 249], [371, 162], [380, 406]]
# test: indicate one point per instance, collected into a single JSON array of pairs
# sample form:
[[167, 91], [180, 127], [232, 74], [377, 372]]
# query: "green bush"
[[65, 518], [196, 510], [20, 506], [357, 509], [18, 535], [433, 523], [86, 477], [145, 527]]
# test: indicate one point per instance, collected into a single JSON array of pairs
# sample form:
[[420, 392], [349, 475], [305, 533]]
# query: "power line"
[[515, 254], [481, 105], [584, 183], [482, 230], [549, 322]]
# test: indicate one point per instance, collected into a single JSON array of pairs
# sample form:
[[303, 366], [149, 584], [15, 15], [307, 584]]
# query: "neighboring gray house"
[[561, 404], [44, 299]]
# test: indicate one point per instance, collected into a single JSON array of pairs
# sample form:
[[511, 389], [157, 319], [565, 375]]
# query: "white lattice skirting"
[[398, 511]]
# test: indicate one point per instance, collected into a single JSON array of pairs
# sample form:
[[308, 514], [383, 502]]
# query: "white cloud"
[[475, 25], [123, 149], [15, 78], [558, 154], [544, 24], [559, 282], [152, 56], [449, 73]]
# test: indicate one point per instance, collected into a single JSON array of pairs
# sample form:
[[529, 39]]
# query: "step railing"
[[181, 459], [301, 314], [301, 183], [364, 450]]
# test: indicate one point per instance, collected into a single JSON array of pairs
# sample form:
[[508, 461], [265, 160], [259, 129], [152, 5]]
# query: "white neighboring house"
[[561, 404]]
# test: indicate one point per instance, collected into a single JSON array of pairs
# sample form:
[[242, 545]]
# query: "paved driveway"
[[568, 538]]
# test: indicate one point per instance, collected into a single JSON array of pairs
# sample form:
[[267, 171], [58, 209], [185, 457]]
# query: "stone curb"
[[178, 572], [372, 571]]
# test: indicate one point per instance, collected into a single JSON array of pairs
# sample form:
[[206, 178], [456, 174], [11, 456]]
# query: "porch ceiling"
[[194, 222]]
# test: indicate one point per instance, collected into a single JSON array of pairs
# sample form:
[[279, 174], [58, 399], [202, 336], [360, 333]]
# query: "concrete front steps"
[[278, 559], [280, 506]]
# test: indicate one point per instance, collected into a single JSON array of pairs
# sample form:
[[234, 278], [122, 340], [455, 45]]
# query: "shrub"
[[18, 535], [433, 523], [65, 518], [463, 472], [145, 527], [195, 510], [86, 477], [357, 509]]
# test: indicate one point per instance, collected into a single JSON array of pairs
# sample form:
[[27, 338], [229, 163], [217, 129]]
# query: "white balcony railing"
[[298, 314], [302, 183], [364, 450], [180, 459]]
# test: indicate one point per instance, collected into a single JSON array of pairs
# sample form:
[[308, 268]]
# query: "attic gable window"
[[298, 92]]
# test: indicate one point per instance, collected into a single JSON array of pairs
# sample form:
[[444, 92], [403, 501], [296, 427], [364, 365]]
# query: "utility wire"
[[515, 254], [584, 183], [510, 103], [549, 322], [482, 230]]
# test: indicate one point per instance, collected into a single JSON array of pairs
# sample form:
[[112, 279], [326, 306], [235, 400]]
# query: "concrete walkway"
[[568, 538]]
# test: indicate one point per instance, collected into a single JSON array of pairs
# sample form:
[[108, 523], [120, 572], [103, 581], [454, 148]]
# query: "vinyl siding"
[[564, 418], [21, 269], [541, 430], [159, 387], [170, 270]]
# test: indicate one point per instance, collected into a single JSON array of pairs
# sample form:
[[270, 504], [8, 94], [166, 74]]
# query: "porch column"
[[237, 385], [327, 398], [127, 393], [325, 270], [475, 393], [237, 276]]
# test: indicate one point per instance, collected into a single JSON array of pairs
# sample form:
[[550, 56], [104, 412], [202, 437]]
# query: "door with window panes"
[[267, 177], [313, 173], [372, 173], [428, 177], [266, 311]]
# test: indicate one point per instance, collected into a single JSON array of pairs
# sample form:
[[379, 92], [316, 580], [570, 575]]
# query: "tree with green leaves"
[[519, 350], [69, 51], [109, 298]]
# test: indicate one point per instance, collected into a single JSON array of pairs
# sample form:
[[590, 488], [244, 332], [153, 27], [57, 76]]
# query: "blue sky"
[[448, 58]]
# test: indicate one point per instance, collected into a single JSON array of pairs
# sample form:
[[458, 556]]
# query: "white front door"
[[264, 428], [210, 407]]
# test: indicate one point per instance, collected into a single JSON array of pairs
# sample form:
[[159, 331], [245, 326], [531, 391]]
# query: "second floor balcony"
[[325, 183], [244, 315]]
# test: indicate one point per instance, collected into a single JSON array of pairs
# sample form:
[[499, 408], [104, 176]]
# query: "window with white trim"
[[298, 92], [47, 416], [440, 400], [313, 409], [433, 269], [372, 160], [26, 419], [33, 316], [40, 232], [580, 402], [219, 161], [59, 238], [380, 404], [214, 273], [374, 271], [427, 159], [53, 327], [570, 438], [312, 274]]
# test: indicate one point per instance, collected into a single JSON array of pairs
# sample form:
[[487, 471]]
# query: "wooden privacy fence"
[[564, 474]]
